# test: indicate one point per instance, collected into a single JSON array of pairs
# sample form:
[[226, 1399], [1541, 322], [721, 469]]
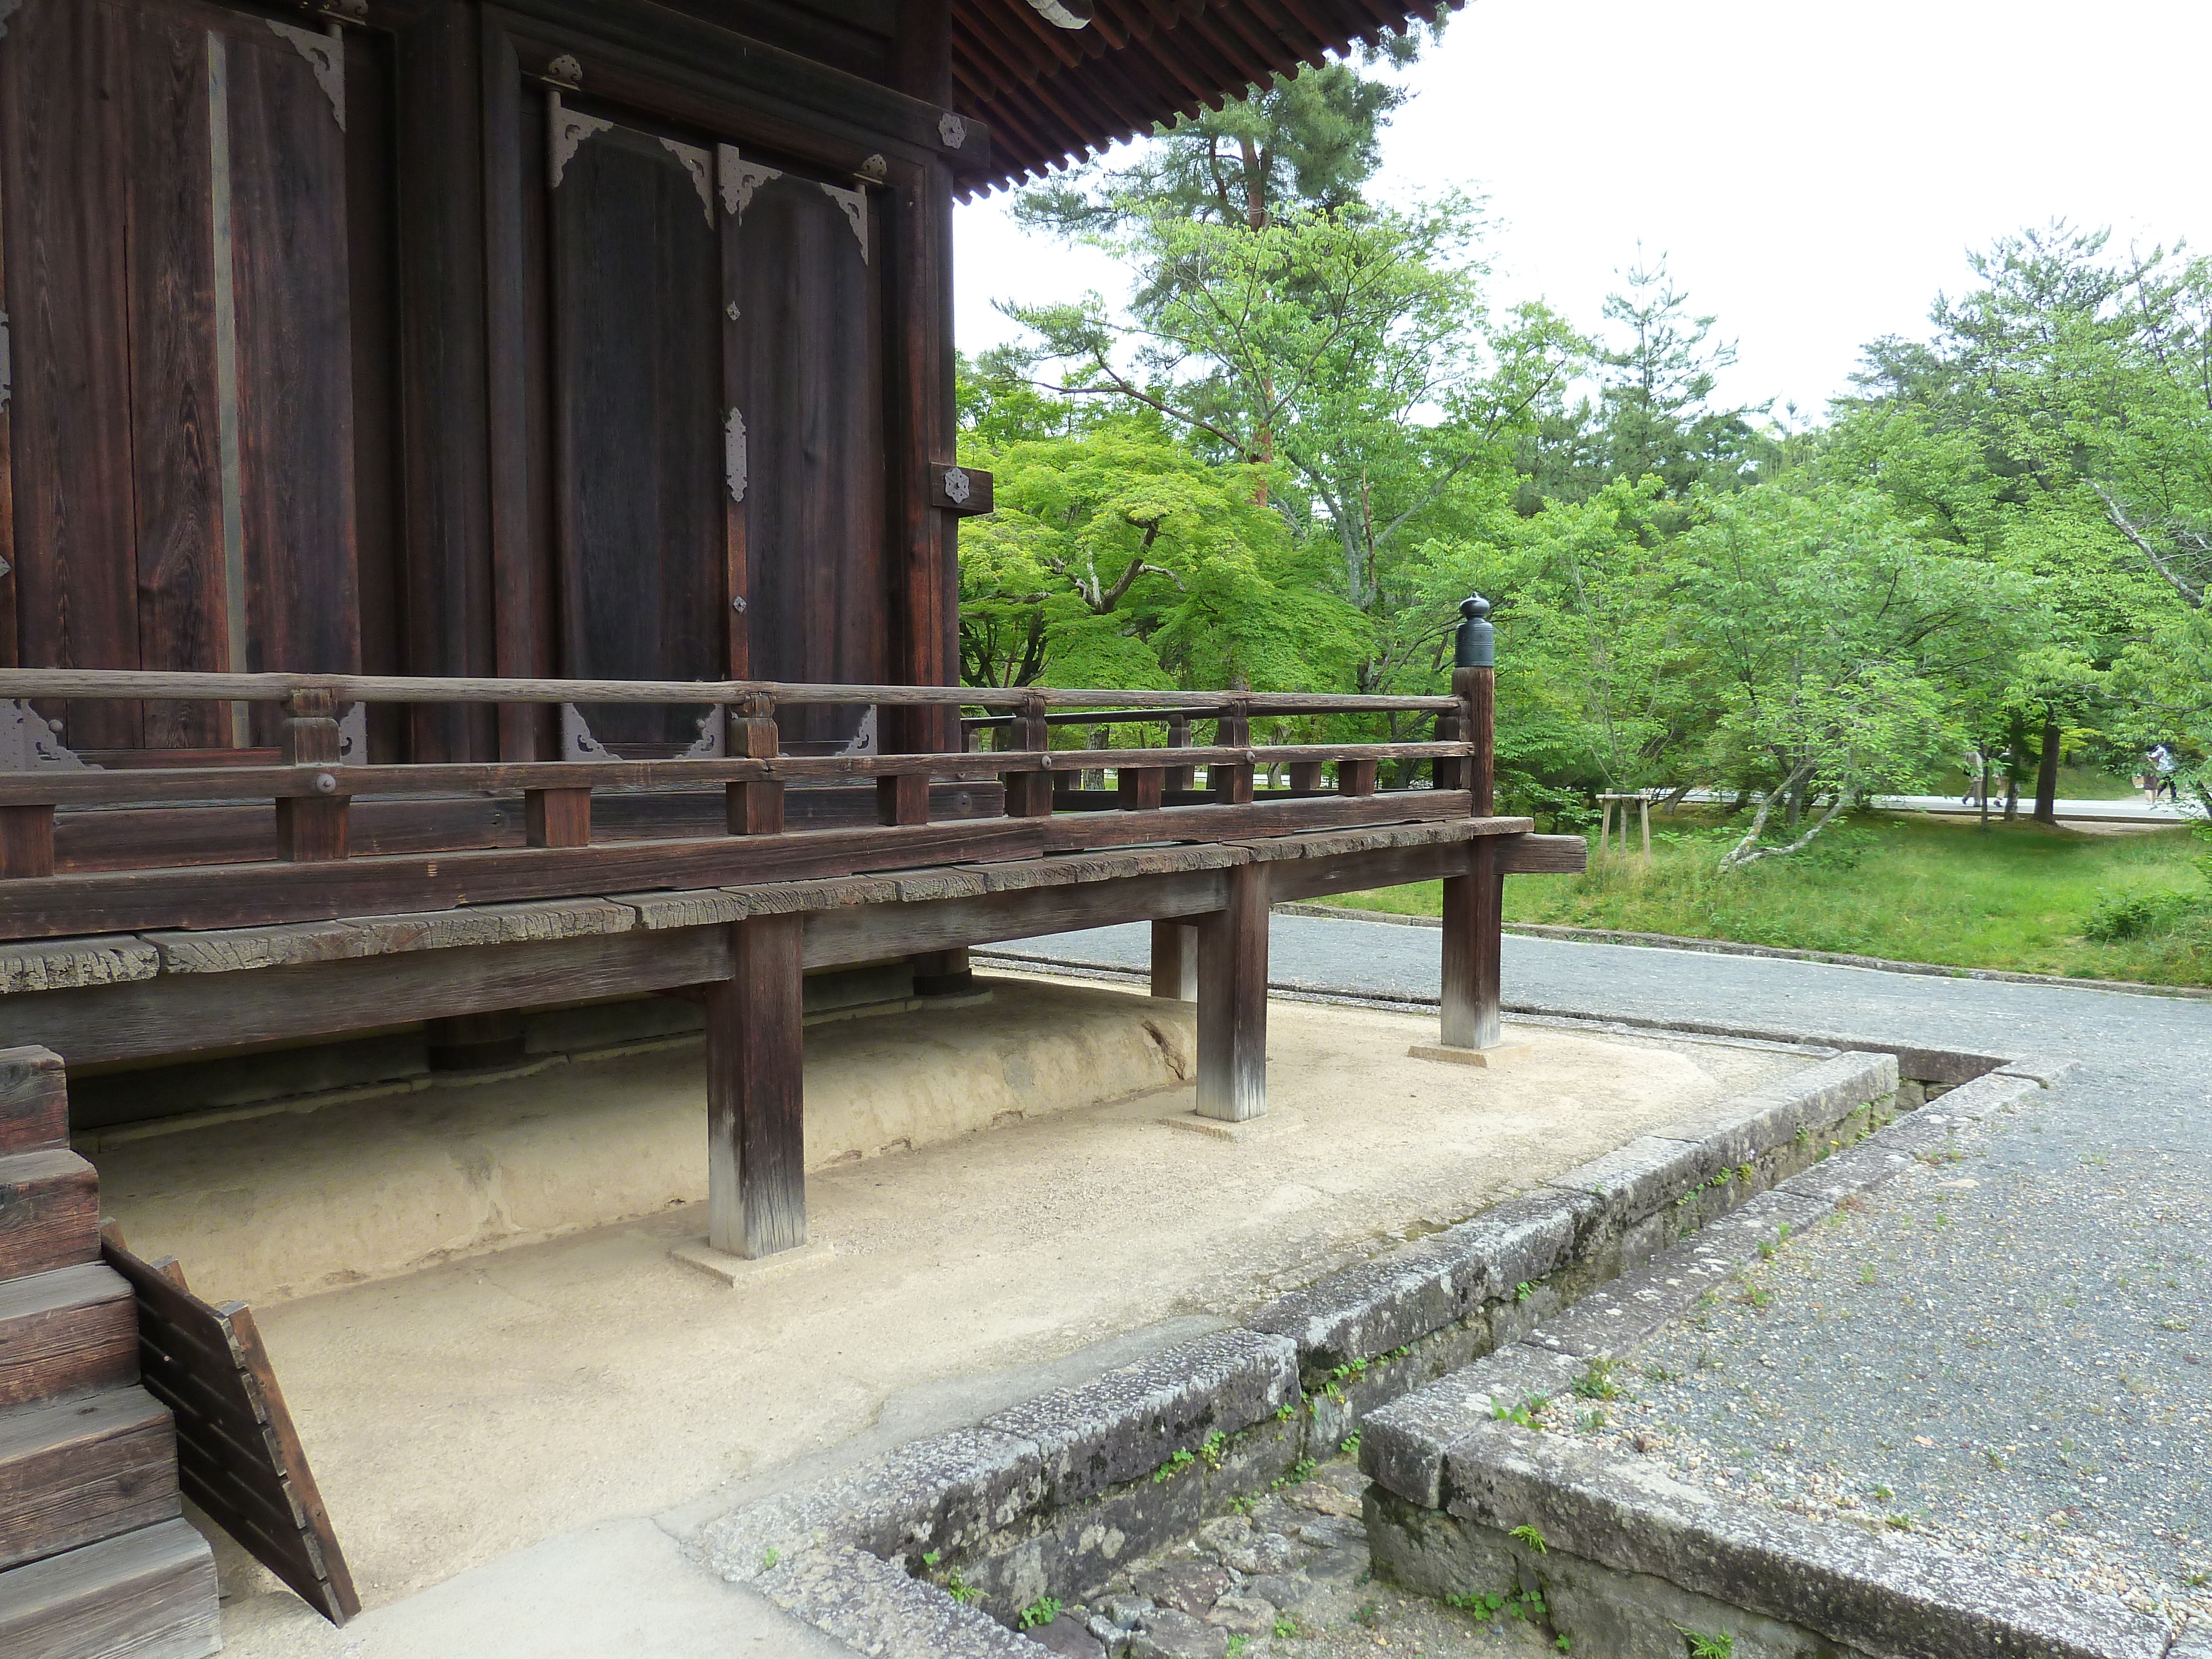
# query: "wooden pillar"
[[1474, 903], [1175, 961], [1233, 785], [1305, 777], [1232, 1000], [311, 829], [27, 842], [756, 1093], [1644, 807], [557, 817]]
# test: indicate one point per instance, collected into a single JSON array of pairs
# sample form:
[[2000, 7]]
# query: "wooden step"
[[148, 1594], [83, 1469], [67, 1331], [49, 1212], [34, 1100]]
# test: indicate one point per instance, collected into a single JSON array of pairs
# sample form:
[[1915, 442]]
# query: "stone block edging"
[[1443, 1455], [1059, 1487]]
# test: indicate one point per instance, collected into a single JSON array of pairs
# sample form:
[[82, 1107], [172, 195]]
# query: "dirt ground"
[[459, 1414]]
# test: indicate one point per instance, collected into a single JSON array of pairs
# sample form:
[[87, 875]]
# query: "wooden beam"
[[558, 817], [870, 932], [1175, 959], [755, 1088], [1232, 1000]]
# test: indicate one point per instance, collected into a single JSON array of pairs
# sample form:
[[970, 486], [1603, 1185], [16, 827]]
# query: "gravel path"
[[2011, 1354]]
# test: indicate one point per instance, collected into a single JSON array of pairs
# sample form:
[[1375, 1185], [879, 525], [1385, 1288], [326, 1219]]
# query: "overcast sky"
[[1813, 173]]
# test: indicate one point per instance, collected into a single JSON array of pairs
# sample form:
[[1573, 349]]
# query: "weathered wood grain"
[[34, 1100], [755, 1091], [49, 1211], [1474, 908], [239, 1455], [71, 1330], [871, 933], [1175, 959], [557, 817], [150, 1594], [75, 1470], [1232, 1000]]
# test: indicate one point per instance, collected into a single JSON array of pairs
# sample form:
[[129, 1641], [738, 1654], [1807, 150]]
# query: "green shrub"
[[2141, 915]]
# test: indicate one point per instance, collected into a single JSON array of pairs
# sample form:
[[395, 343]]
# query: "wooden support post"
[[944, 974], [1305, 777], [1643, 803], [1232, 1000], [557, 817], [1605, 826], [1179, 777], [1474, 904], [27, 842], [474, 1042], [756, 807], [311, 829], [903, 799], [1175, 961], [756, 1093], [1138, 788], [1233, 785], [1029, 795], [1451, 770], [1355, 777]]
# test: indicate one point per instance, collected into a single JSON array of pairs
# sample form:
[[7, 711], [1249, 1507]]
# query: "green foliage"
[[1041, 1612], [1596, 1382], [1704, 1646], [1174, 1467], [1530, 1536]]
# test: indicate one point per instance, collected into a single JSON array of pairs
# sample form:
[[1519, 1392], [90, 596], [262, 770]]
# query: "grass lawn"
[[2017, 896]]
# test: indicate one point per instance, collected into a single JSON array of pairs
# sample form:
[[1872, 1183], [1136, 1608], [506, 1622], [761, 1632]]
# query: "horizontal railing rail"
[[64, 684], [228, 840]]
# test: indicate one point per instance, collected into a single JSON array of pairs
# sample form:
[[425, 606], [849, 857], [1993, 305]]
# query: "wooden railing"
[[316, 871]]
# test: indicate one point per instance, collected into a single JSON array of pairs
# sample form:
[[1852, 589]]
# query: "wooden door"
[[717, 398], [181, 435]]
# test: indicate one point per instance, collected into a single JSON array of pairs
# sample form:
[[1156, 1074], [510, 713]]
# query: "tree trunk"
[[2047, 774], [2015, 751]]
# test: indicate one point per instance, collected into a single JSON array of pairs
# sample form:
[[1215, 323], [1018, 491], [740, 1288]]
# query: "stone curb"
[[838, 1553], [1720, 947], [1443, 1447], [1369, 1310]]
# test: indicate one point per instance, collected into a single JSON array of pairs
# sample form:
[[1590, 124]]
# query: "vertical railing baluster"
[[311, 829], [756, 804], [1029, 795], [1232, 784]]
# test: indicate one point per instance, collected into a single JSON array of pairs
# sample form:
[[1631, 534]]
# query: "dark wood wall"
[[585, 337]]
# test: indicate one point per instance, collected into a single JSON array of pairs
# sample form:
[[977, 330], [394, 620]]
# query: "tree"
[[1117, 558], [1832, 647]]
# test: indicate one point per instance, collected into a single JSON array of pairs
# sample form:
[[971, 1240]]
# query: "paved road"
[[2030, 1369]]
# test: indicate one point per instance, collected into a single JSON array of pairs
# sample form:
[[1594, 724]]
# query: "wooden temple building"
[[478, 522]]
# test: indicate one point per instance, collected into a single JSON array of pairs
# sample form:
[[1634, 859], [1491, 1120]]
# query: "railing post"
[[901, 797], [1305, 777], [311, 829], [1473, 907], [1029, 795], [557, 817], [1232, 784], [756, 804], [1178, 777], [27, 842], [1355, 777]]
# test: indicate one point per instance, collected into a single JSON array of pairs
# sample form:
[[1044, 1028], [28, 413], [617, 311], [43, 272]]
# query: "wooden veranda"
[[112, 958]]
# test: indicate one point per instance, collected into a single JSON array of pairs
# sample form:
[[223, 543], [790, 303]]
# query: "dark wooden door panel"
[[176, 265], [636, 280], [807, 377]]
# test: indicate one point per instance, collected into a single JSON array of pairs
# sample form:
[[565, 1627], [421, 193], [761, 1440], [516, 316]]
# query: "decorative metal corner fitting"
[[734, 454], [875, 169], [566, 132], [325, 56], [957, 485], [699, 164], [740, 178], [862, 742], [577, 743], [855, 203], [566, 72], [27, 743], [352, 735], [952, 130], [709, 745], [1065, 14]]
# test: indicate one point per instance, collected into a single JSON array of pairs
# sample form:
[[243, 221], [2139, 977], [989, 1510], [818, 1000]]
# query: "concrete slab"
[[489, 1403]]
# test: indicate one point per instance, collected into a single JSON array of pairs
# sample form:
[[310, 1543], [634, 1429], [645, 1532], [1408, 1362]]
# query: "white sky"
[[1813, 173]]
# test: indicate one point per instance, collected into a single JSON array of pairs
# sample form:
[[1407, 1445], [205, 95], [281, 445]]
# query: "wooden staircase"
[[95, 1558]]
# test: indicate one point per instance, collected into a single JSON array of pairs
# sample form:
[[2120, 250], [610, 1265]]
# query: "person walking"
[[2163, 766]]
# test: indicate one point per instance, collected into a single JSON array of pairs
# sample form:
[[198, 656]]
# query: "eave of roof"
[[1053, 97]]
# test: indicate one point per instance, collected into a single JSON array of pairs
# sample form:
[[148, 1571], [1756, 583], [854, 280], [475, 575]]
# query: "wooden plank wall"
[[317, 367]]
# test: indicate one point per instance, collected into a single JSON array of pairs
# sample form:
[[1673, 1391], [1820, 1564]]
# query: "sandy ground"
[[479, 1408]]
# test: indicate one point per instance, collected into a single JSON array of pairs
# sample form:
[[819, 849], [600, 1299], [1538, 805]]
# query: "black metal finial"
[[1477, 646]]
